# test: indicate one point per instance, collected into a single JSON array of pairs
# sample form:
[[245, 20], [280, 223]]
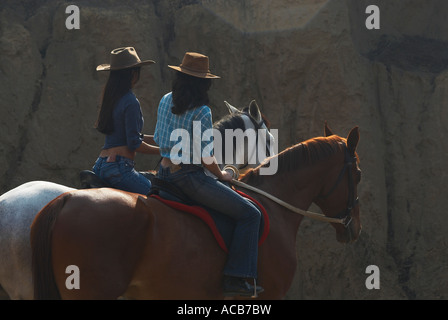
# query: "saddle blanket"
[[220, 225]]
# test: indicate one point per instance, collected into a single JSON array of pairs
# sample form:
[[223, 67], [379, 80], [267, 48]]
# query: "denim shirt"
[[128, 124]]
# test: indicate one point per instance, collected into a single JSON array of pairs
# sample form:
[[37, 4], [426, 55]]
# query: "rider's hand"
[[226, 176]]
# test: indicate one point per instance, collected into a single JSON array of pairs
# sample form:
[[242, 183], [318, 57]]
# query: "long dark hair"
[[118, 84], [189, 92]]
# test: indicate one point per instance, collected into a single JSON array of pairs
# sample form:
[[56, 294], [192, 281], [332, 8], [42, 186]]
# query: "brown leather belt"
[[174, 167]]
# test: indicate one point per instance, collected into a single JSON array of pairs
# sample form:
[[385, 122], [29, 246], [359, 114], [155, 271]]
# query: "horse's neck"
[[291, 187]]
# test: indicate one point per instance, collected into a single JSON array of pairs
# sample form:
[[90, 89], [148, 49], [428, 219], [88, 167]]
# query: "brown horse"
[[130, 246]]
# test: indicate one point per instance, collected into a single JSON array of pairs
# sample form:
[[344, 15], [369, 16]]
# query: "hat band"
[[195, 70]]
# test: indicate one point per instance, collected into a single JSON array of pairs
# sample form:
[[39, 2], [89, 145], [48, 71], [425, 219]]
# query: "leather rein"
[[344, 217]]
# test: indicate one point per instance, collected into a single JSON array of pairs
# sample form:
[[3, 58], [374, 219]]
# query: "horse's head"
[[252, 112], [339, 196], [253, 125]]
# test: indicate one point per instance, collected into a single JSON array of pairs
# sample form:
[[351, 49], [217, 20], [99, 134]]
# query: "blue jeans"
[[211, 193], [121, 175]]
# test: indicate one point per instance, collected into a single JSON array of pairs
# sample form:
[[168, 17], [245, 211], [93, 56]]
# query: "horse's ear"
[[328, 131], [352, 140], [231, 108], [254, 111]]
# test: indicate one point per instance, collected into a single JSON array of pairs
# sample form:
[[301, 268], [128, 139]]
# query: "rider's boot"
[[234, 286]]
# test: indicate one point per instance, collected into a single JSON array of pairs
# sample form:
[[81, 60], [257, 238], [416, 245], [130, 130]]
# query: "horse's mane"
[[302, 154], [230, 121]]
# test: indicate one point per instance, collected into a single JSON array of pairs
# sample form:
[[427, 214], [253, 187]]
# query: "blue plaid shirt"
[[194, 138]]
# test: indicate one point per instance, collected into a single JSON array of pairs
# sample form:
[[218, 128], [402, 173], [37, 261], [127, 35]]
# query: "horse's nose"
[[354, 238]]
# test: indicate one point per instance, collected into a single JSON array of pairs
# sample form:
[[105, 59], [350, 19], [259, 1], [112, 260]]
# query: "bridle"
[[344, 217], [345, 214], [247, 119]]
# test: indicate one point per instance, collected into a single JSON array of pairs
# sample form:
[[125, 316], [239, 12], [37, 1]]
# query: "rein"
[[345, 220], [309, 214]]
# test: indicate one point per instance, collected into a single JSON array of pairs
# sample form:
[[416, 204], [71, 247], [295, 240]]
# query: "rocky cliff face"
[[304, 62]]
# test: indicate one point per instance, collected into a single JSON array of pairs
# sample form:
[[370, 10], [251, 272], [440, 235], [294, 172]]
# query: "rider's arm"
[[149, 139], [211, 164], [148, 148]]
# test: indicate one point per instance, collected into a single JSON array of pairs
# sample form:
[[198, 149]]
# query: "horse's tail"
[[45, 287]]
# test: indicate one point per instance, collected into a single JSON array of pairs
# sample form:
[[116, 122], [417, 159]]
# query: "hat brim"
[[107, 67], [204, 75]]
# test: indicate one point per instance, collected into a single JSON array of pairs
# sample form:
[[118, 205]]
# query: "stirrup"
[[255, 295], [237, 286]]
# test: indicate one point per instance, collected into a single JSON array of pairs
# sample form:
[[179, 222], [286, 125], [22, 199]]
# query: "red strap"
[[203, 214], [199, 212]]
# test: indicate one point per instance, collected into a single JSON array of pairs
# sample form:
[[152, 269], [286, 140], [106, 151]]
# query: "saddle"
[[90, 180], [221, 226]]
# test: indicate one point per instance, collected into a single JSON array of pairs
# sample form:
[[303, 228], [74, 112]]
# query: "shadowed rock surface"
[[304, 62]]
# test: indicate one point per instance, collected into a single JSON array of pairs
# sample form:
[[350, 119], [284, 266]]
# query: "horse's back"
[[124, 244], [101, 232], [18, 207]]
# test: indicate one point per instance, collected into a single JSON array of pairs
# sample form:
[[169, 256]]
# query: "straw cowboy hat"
[[123, 58], [196, 65]]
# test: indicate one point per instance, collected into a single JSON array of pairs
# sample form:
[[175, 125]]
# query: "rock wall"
[[305, 62]]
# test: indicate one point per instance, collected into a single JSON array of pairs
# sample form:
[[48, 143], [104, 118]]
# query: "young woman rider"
[[121, 120], [184, 108]]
